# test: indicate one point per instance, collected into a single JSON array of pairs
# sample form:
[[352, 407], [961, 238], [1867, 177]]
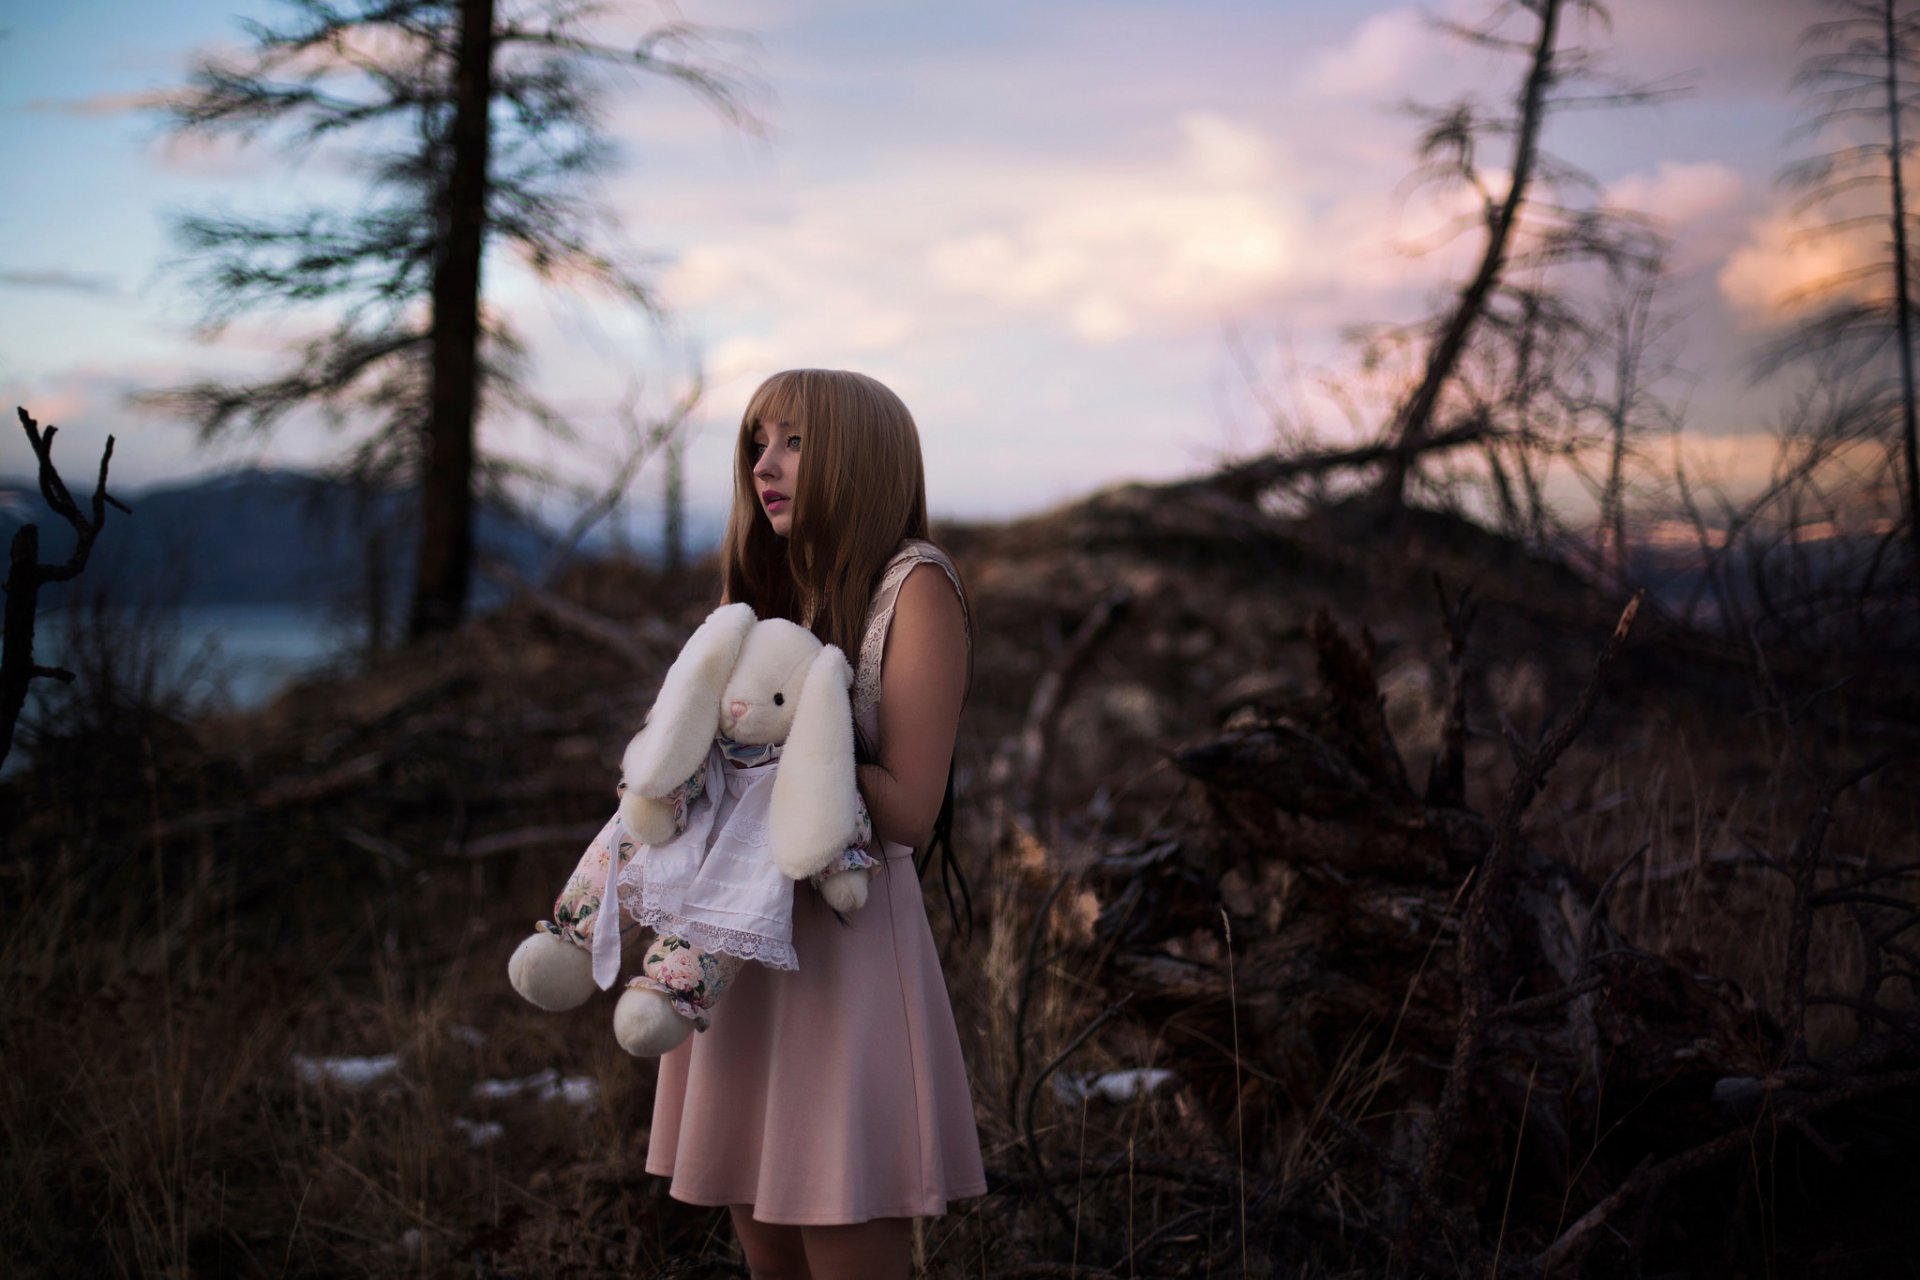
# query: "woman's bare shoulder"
[[929, 622], [929, 588]]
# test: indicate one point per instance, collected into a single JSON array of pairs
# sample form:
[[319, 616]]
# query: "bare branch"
[[659, 435], [1477, 929], [1563, 1256], [26, 575]]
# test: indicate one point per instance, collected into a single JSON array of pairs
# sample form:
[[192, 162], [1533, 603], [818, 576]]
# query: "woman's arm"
[[923, 680]]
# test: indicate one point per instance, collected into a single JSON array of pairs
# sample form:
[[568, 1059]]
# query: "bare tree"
[[1546, 218], [673, 542], [1862, 87], [483, 130], [1635, 334], [1503, 372], [1788, 566], [26, 574], [664, 434], [1500, 367]]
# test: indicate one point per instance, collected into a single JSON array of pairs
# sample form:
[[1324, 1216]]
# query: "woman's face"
[[775, 450]]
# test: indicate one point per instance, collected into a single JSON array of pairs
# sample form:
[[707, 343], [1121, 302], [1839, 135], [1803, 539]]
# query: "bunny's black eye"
[[779, 700]]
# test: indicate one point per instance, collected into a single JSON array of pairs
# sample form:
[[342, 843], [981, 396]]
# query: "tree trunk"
[[673, 550], [23, 595], [1631, 335], [374, 583], [1413, 423], [1903, 312], [446, 489]]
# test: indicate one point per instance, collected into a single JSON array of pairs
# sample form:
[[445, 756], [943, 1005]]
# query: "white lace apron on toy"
[[714, 884]]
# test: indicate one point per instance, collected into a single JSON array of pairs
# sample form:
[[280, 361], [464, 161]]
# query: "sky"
[[1087, 242]]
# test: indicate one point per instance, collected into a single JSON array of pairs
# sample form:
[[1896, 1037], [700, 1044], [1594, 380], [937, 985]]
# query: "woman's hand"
[[923, 681]]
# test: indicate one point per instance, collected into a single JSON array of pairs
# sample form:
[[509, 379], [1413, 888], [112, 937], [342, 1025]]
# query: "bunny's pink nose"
[[736, 709]]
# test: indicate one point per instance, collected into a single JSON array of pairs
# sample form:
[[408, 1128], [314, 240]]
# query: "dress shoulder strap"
[[873, 643]]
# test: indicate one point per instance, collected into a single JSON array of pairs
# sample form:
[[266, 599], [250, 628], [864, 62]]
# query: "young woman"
[[828, 1106]]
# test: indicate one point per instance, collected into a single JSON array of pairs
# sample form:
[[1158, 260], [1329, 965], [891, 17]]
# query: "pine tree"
[[478, 128], [1865, 88]]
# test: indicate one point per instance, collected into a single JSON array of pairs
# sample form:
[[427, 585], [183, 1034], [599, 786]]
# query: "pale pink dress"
[[834, 1093]]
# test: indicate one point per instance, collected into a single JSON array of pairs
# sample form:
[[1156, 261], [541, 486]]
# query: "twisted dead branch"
[[1804, 861], [1020, 770], [1479, 1008], [1447, 779], [26, 575], [1564, 1256]]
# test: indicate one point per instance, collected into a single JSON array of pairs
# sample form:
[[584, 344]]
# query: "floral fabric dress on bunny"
[[712, 894], [834, 1093]]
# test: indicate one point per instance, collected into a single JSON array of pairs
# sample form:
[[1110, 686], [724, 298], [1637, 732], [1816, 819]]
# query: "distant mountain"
[[258, 537]]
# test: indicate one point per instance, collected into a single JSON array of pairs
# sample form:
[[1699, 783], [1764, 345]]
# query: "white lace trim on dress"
[[873, 645], [650, 912], [712, 884]]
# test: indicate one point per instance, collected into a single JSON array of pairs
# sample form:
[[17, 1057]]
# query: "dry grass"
[[1718, 821], [157, 991]]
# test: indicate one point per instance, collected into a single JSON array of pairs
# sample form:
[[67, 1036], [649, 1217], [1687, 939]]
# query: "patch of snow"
[[480, 1133], [1112, 1086], [542, 1086], [348, 1072]]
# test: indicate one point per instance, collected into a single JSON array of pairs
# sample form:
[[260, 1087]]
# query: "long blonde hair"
[[862, 491]]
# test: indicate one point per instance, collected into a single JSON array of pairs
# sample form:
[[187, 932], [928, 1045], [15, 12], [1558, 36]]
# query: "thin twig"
[[622, 638], [1804, 860], [647, 442], [1534, 1006], [1033, 1093], [1239, 1120], [1598, 909], [1477, 932], [1564, 1255], [1021, 768], [1446, 781], [1028, 968]]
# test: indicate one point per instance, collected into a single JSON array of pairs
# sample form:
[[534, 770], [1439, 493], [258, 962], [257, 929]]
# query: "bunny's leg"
[[843, 882], [678, 986], [553, 968]]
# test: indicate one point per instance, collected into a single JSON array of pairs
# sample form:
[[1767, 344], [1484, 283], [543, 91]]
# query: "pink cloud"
[[1377, 60], [1781, 270], [1679, 192], [117, 103]]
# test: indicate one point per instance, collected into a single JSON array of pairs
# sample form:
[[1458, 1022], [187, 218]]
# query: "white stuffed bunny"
[[741, 782]]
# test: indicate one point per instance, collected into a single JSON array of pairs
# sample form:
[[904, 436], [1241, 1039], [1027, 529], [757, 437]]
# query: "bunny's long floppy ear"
[[686, 715], [812, 814]]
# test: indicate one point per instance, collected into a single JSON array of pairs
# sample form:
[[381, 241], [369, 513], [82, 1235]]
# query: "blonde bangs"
[[781, 398]]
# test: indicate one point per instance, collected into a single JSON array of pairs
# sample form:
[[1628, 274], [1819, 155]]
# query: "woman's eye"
[[793, 443], [755, 449]]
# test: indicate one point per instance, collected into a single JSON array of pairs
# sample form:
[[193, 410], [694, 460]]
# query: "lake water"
[[231, 655]]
